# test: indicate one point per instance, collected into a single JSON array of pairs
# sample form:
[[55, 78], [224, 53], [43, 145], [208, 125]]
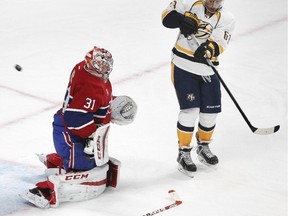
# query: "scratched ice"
[[48, 37]]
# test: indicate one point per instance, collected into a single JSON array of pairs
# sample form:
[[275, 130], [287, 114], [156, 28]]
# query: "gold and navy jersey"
[[216, 28]]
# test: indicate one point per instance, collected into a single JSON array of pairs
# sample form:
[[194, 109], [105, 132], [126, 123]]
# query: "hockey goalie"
[[82, 169]]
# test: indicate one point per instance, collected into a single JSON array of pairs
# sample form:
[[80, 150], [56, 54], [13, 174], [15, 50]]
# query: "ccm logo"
[[77, 176]]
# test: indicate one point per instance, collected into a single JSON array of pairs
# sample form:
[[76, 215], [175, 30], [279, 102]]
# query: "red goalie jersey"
[[87, 102]]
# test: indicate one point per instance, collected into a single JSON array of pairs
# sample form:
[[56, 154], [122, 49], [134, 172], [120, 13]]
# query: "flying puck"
[[18, 67]]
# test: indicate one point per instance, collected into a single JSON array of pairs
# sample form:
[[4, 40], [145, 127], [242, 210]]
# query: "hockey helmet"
[[213, 6], [99, 62]]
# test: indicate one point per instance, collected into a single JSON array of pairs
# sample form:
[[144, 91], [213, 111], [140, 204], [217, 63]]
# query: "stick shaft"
[[260, 131]]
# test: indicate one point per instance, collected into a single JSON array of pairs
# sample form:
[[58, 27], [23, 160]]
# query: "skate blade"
[[40, 202], [190, 174], [203, 161]]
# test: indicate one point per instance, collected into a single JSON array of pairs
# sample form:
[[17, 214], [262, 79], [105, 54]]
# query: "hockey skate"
[[186, 164], [205, 155]]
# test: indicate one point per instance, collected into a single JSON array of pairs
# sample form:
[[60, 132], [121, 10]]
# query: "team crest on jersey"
[[190, 97], [205, 30]]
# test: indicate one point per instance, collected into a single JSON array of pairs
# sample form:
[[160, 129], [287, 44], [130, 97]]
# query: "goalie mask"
[[212, 6], [99, 62]]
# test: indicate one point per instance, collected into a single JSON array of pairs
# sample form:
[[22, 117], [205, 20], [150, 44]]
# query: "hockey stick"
[[176, 200], [260, 131]]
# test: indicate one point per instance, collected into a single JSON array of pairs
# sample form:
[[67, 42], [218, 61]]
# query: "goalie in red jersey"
[[81, 169]]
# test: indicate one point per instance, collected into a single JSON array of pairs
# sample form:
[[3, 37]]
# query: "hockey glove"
[[88, 146], [206, 50], [189, 24]]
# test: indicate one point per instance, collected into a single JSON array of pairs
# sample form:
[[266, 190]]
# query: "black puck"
[[18, 67]]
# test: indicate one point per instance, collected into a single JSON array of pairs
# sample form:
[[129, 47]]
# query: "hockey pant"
[[70, 148]]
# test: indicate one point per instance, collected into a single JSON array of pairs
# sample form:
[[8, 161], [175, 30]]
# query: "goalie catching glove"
[[189, 25], [124, 110]]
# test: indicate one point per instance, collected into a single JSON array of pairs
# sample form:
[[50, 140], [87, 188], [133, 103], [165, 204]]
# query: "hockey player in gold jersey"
[[205, 31]]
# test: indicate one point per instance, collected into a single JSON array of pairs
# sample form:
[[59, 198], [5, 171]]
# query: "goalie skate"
[[35, 197]]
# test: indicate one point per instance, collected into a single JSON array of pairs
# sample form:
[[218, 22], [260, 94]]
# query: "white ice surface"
[[48, 37]]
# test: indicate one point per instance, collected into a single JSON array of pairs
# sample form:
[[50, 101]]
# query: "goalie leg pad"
[[75, 186], [42, 196], [53, 163], [38, 200], [79, 186], [113, 172], [52, 160]]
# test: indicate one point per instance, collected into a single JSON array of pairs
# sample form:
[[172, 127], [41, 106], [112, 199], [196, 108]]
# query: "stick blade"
[[175, 197], [266, 131]]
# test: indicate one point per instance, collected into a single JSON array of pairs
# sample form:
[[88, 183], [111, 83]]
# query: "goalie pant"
[[75, 186]]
